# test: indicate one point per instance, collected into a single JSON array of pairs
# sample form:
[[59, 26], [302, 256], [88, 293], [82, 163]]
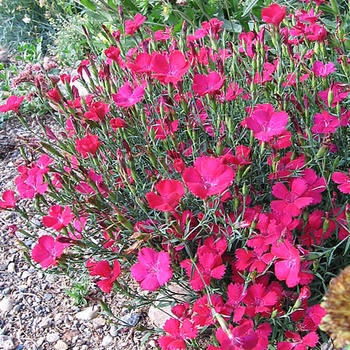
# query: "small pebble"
[[6, 291], [98, 322], [6, 305], [113, 331], [6, 343], [17, 308], [48, 296], [45, 322], [11, 267], [88, 313], [61, 345], [52, 337], [107, 340]]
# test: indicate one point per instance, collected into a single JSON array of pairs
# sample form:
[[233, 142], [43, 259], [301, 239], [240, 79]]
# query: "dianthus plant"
[[214, 161]]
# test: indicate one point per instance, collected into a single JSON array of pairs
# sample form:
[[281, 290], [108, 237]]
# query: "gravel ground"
[[35, 311]]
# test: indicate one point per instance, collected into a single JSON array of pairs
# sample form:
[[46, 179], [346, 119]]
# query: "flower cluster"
[[217, 164]]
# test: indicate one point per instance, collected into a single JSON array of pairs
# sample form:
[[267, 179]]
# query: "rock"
[[113, 331], [158, 315], [6, 305], [98, 322], [6, 343], [61, 345], [107, 340], [11, 267], [25, 274], [48, 296], [88, 313], [52, 337], [6, 291], [45, 322]]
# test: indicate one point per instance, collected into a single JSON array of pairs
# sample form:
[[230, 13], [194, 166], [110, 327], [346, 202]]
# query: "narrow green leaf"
[[248, 7], [89, 4]]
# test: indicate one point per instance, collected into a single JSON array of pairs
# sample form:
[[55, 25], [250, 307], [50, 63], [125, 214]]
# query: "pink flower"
[[274, 14], [323, 70], [208, 177], [343, 180], [58, 217], [178, 333], [266, 123], [170, 192], [170, 69], [47, 251], [131, 26], [153, 269], [8, 200], [31, 181], [288, 268], [108, 274], [293, 200], [325, 123], [87, 145], [127, 96], [12, 104], [316, 32], [207, 84]]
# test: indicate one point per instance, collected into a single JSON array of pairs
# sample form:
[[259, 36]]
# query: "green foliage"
[[29, 20]]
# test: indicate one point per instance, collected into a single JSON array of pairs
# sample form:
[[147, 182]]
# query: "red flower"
[[8, 200], [142, 63], [240, 337], [259, 299], [163, 127], [153, 269], [343, 180], [47, 251], [97, 111], [288, 268], [291, 202], [208, 177], [87, 145], [325, 123], [273, 14], [170, 192], [58, 217], [170, 69], [117, 123], [178, 333], [12, 104], [204, 307], [112, 53], [298, 342], [266, 123], [103, 269], [54, 95], [132, 26], [207, 84], [209, 266], [127, 96]]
